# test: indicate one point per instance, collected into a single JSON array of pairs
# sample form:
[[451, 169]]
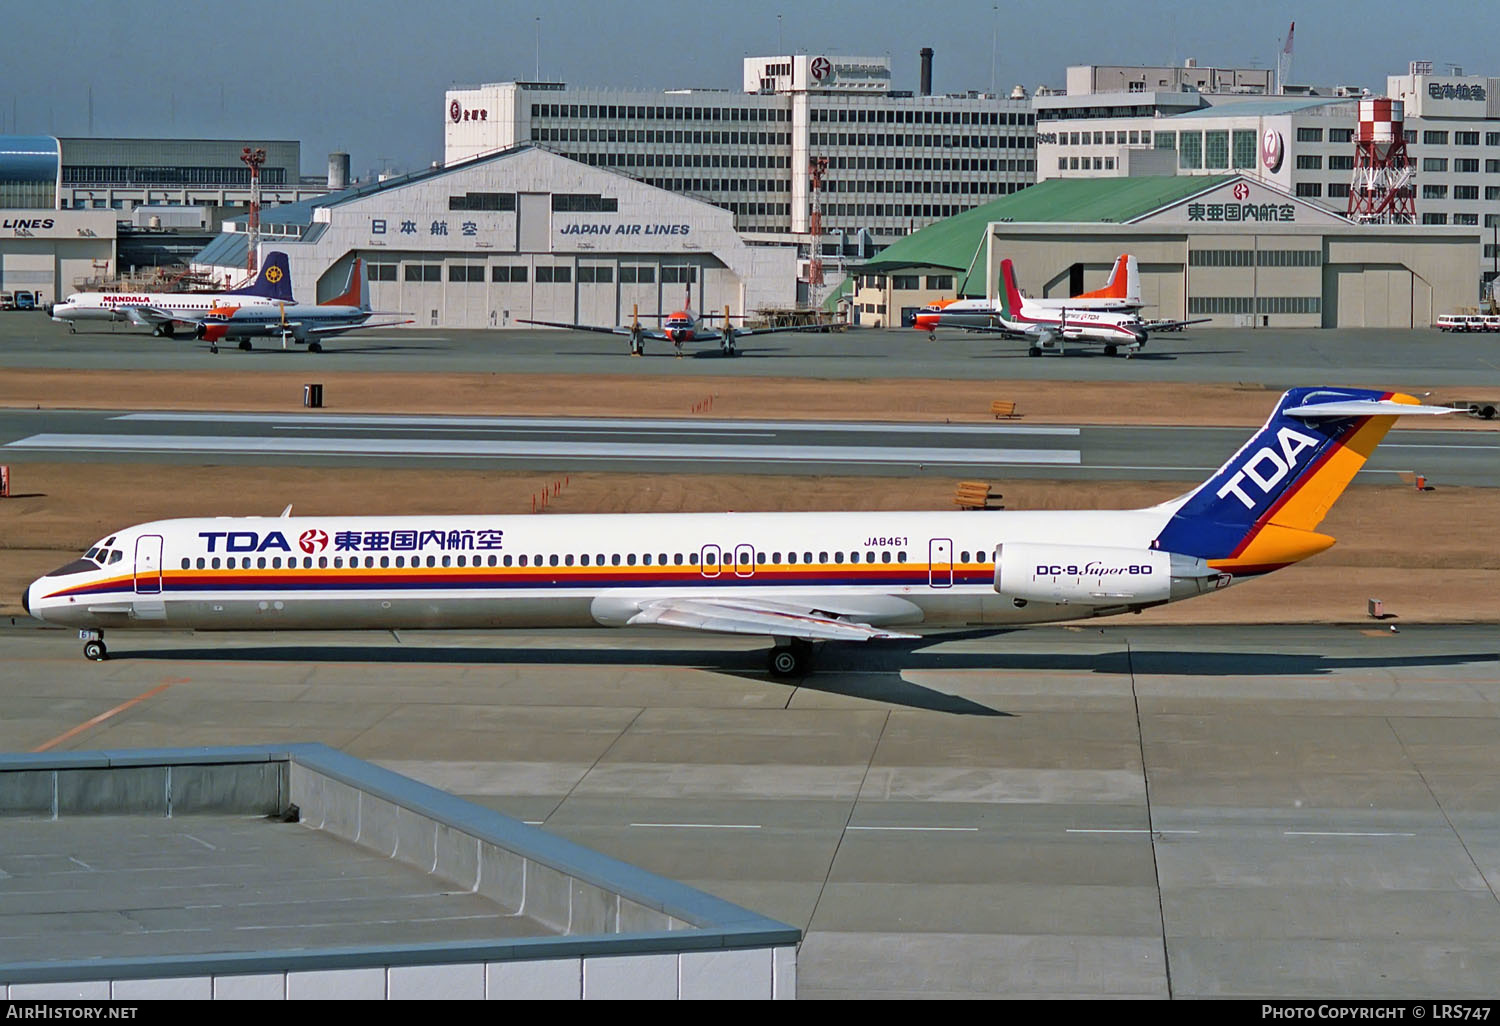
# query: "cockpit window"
[[91, 553], [115, 556], [78, 566]]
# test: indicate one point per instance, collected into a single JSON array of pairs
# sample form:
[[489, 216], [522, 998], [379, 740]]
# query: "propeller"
[[637, 336], [728, 332]]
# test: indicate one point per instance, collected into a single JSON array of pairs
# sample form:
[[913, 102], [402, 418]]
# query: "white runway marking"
[[459, 448], [1124, 830], [1342, 833], [701, 826], [963, 830], [595, 423]]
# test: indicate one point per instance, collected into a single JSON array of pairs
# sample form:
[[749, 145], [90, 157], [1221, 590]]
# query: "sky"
[[368, 78]]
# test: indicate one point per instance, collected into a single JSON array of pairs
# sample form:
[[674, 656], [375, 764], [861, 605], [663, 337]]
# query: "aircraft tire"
[[245, 344], [1034, 351], [790, 660], [94, 651], [315, 347], [1111, 349]]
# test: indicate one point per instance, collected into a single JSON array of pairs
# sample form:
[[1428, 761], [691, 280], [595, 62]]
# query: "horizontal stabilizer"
[[1364, 408]]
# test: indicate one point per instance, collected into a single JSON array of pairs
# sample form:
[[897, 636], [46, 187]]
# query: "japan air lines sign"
[[1272, 150]]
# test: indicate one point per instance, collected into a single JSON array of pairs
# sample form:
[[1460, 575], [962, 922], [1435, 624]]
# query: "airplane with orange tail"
[[1044, 325], [679, 328], [1121, 294], [305, 323], [1097, 316]]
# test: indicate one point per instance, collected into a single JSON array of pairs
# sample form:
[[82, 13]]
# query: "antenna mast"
[[816, 169], [254, 159]]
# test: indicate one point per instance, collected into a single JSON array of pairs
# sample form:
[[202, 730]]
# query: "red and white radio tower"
[[1384, 187], [816, 169], [254, 158]]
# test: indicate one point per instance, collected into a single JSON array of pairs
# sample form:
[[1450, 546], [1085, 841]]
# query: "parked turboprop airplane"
[[1044, 327], [306, 323], [679, 328], [1016, 316], [1121, 294], [161, 311], [797, 577]]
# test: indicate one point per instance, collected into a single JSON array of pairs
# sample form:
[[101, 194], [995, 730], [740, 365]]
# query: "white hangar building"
[[523, 233]]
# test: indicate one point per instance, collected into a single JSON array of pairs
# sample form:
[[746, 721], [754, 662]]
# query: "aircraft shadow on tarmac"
[[869, 672], [334, 349]]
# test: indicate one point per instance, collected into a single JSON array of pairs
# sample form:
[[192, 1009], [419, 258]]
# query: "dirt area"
[[1038, 402], [1417, 551]]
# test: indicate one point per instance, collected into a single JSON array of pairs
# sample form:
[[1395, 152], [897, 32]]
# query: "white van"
[[1452, 322], [7, 300]]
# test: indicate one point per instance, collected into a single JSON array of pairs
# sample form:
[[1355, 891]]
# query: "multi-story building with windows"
[[1453, 135], [1301, 141], [896, 160]]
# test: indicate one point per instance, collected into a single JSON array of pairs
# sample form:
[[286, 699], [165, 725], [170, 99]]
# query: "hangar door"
[[1374, 296], [1162, 291], [534, 222], [29, 269]]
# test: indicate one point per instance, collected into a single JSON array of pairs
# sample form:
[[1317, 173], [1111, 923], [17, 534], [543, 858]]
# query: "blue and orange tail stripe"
[[1279, 525]]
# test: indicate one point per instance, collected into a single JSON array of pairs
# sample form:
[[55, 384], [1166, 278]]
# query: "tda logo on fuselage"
[[246, 541], [1266, 467]]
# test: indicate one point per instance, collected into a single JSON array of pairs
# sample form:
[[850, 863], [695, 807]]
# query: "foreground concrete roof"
[[198, 862]]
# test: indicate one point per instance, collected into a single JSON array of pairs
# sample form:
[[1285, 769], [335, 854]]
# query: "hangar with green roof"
[[1228, 248]]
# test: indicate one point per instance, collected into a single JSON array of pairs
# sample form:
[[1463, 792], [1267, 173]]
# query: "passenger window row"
[[569, 559]]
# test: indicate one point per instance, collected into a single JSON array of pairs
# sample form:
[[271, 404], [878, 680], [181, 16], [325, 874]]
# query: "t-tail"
[[1123, 283], [356, 290], [1260, 511], [272, 281]]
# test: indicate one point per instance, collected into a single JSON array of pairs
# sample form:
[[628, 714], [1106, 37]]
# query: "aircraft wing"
[[601, 329], [756, 617], [1173, 325], [747, 332], [148, 316], [339, 329]]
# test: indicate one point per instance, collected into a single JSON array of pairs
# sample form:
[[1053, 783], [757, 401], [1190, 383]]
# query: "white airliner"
[[306, 323], [162, 311], [1107, 317], [796, 577]]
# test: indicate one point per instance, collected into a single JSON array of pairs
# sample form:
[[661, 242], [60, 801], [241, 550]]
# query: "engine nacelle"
[[1099, 575]]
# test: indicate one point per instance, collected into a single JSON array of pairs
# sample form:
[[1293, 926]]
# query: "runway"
[[1278, 358], [1126, 811], [696, 446]]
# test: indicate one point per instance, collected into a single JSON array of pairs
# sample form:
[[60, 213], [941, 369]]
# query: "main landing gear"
[[245, 344], [93, 646], [790, 658], [315, 347]]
